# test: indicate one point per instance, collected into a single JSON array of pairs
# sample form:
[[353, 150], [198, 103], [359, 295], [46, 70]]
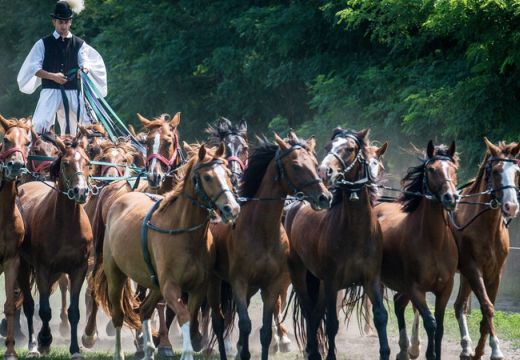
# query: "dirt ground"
[[350, 343]]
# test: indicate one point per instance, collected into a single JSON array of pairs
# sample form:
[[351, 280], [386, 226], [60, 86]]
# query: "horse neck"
[[7, 198], [65, 207], [431, 222], [357, 212], [192, 214], [268, 213]]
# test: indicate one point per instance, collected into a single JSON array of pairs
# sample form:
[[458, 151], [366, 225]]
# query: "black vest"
[[61, 55]]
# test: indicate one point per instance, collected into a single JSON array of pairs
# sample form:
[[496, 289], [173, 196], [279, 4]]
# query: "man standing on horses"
[[55, 62]]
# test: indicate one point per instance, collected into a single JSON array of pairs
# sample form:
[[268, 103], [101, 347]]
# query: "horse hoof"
[[231, 351], [33, 354], [285, 345], [10, 357], [165, 352], [120, 356], [403, 355], [44, 350], [64, 328], [88, 341], [77, 356], [110, 329], [414, 352], [188, 355]]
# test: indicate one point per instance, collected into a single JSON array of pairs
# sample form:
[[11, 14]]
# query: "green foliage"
[[410, 70]]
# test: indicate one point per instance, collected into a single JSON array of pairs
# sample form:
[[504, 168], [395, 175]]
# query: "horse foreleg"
[[415, 341], [44, 282], [284, 345], [195, 301], [367, 308], [28, 306], [115, 281], [173, 295], [331, 322], [400, 302], [441, 301], [244, 321], [374, 292], [217, 318], [145, 313], [11, 271], [76, 281], [460, 303], [90, 335], [64, 323], [419, 300], [488, 310], [165, 348], [488, 326]]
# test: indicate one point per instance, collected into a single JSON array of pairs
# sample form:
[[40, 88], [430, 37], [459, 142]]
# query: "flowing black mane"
[[261, 156], [224, 128], [414, 179]]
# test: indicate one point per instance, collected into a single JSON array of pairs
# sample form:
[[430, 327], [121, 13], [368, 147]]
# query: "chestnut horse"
[[13, 158], [483, 238], [420, 253], [163, 161], [56, 245], [339, 248], [165, 246], [257, 260]]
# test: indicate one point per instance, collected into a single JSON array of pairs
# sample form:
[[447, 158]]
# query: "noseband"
[[427, 193], [5, 154], [168, 163], [489, 171]]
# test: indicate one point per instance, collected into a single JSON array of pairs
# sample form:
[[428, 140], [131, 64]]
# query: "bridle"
[[489, 171], [5, 154], [169, 163], [426, 191], [297, 189]]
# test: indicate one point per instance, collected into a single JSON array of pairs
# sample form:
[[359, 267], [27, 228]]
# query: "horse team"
[[202, 233]]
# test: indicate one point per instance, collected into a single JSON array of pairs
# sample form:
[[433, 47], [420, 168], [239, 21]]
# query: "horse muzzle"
[[13, 169], [449, 201]]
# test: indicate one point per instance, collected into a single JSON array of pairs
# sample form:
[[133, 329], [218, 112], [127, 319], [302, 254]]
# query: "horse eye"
[[350, 149], [431, 169], [207, 178]]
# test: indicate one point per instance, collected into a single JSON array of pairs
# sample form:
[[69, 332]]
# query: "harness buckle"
[[494, 204], [299, 196]]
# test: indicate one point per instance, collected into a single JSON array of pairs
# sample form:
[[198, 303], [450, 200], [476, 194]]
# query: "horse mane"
[[413, 180], [217, 133], [183, 172], [262, 154], [505, 149], [13, 122]]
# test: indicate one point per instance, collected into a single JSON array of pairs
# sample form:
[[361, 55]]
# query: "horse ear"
[[336, 131], [131, 129], [451, 150], [61, 146], [492, 148], [382, 149], [363, 133], [202, 153], [282, 144], [221, 150], [176, 120], [515, 150], [4, 122], [146, 123], [292, 135], [223, 124], [54, 170], [187, 147], [34, 135], [242, 127], [311, 143], [430, 149]]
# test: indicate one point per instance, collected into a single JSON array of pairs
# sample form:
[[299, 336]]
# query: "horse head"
[[502, 175], [14, 148], [42, 145], [235, 141], [162, 147], [92, 136], [71, 169], [117, 156], [211, 181], [296, 164]]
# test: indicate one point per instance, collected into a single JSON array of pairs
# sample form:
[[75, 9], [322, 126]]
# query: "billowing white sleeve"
[[28, 82], [88, 57]]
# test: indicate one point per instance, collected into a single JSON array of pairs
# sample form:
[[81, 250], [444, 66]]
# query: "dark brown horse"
[[340, 248], [172, 261], [163, 161], [420, 253], [57, 239], [483, 238], [13, 160], [252, 255]]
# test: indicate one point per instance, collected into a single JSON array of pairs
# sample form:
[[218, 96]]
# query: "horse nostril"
[[76, 190], [329, 171], [226, 209]]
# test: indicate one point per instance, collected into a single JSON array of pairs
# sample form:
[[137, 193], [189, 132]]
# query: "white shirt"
[[88, 57]]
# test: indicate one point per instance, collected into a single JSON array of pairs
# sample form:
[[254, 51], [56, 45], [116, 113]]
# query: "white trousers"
[[50, 104]]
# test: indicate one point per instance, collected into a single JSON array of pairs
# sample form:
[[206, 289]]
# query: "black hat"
[[62, 11]]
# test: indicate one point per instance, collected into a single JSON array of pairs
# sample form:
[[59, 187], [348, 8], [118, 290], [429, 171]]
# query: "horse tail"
[[129, 303], [353, 302], [300, 332]]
